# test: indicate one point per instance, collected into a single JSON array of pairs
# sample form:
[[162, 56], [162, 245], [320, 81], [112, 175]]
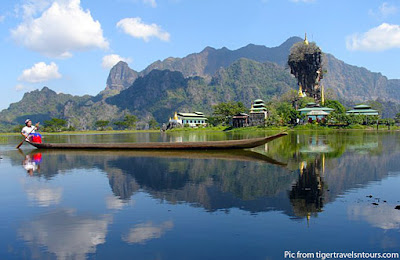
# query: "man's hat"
[[27, 120]]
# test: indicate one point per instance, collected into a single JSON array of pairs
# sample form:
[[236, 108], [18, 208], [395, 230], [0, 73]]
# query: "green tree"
[[153, 124], [304, 101], [292, 97], [339, 108], [287, 113], [120, 125], [273, 117], [102, 124], [55, 125], [225, 110], [212, 121], [129, 122]]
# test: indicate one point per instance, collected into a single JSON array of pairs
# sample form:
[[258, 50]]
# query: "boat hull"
[[211, 145]]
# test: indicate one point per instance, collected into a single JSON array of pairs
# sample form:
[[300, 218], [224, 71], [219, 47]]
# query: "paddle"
[[19, 145]]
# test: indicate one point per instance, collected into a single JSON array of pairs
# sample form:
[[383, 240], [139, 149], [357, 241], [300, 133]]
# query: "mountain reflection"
[[295, 182]]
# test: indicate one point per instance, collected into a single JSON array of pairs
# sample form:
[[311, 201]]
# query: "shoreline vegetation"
[[307, 127]]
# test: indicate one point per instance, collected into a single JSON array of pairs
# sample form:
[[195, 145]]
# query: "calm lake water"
[[307, 192]]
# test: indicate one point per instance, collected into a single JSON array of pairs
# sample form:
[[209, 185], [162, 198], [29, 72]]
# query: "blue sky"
[[70, 45]]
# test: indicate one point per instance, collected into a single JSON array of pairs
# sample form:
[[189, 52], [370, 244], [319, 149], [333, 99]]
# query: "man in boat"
[[29, 129]]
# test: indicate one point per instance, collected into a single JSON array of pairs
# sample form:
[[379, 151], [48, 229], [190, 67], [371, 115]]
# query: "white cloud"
[[385, 36], [152, 3], [31, 8], [62, 28], [21, 87], [141, 233], [40, 72], [136, 28], [2, 17], [110, 60], [384, 11]]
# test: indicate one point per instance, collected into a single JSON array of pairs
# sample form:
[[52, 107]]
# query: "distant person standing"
[[29, 129]]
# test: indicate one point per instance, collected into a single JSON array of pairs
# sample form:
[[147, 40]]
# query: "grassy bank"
[[307, 127]]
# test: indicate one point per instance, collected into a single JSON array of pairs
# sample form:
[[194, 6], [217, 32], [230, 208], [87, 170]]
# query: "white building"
[[192, 119]]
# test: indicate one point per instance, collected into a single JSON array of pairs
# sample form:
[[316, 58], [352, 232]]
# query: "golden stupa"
[[176, 116], [305, 39]]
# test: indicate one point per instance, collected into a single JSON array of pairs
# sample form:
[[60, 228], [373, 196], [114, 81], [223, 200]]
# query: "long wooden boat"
[[210, 145]]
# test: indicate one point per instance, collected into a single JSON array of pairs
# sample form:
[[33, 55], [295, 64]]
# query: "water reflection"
[[65, 234], [331, 164], [298, 177], [215, 181], [306, 195], [31, 162], [143, 232], [114, 202], [384, 216], [41, 193], [294, 183]]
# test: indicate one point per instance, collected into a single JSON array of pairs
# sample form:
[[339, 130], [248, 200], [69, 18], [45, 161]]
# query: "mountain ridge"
[[165, 91], [209, 60], [196, 82]]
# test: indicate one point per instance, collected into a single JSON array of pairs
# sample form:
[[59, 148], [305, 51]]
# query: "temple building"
[[258, 113], [191, 119], [363, 110], [314, 112], [240, 120]]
